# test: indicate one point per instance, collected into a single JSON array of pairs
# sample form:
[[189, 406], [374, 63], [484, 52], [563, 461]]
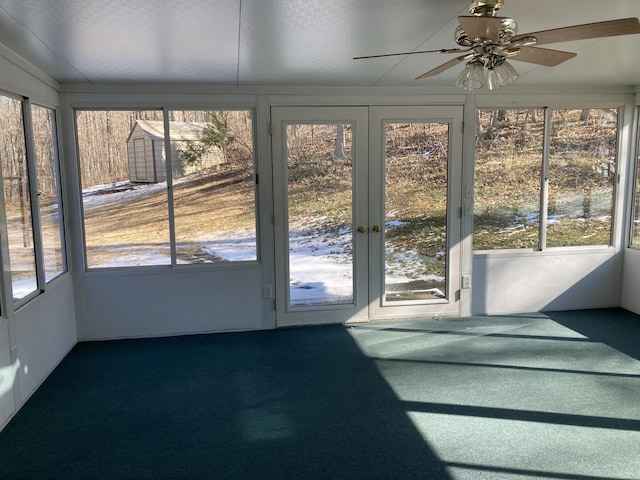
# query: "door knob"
[[361, 229], [376, 228]]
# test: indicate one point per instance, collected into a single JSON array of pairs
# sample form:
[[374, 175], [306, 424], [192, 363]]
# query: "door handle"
[[361, 229], [376, 228]]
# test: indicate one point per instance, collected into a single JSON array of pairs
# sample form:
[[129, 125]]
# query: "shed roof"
[[189, 131]]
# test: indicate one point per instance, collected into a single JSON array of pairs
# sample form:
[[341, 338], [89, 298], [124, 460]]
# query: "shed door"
[[140, 160]]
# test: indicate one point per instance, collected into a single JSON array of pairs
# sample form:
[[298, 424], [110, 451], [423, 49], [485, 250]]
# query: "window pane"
[[16, 197], [46, 155], [582, 170], [124, 188], [213, 193], [508, 162]]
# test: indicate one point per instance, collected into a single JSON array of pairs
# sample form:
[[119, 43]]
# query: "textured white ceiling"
[[292, 42]]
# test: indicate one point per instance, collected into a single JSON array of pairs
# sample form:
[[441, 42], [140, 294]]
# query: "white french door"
[[367, 212]]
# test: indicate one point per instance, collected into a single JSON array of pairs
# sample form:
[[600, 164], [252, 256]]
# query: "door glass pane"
[[13, 157], [415, 201], [320, 191], [582, 172]]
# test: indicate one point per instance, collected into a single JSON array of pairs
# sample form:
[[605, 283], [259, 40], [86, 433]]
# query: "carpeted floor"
[[549, 396]]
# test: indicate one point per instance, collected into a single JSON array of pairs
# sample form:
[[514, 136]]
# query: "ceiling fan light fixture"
[[472, 77], [501, 75], [487, 40]]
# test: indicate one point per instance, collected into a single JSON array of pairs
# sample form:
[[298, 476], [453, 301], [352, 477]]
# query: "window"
[[508, 168], [17, 199], [31, 194], [126, 221], [582, 170], [48, 178], [213, 193], [148, 203], [573, 183]]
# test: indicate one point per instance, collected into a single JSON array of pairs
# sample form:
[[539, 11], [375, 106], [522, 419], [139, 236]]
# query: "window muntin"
[[49, 195], [582, 172], [579, 187], [508, 168], [17, 199], [137, 215], [213, 186]]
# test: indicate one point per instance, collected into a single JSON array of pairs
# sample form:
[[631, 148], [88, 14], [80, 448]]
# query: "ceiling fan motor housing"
[[508, 29], [462, 38], [486, 8]]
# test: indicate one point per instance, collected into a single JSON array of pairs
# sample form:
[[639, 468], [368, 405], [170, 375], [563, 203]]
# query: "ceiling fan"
[[487, 40]]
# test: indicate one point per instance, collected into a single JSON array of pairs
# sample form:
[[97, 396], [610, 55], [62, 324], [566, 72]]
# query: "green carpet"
[[520, 397], [300, 403]]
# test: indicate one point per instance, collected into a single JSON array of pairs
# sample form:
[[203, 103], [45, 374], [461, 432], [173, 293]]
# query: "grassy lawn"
[[209, 204]]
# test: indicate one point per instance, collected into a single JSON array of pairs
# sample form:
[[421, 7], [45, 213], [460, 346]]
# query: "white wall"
[[630, 285], [18, 76], [505, 283], [7, 374], [45, 331], [172, 302], [33, 341]]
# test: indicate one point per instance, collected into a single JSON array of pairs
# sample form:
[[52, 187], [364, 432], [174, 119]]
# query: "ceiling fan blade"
[[481, 27], [442, 50], [443, 67], [542, 56], [611, 28]]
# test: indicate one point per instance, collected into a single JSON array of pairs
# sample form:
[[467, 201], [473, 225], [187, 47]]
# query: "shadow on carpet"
[[298, 403]]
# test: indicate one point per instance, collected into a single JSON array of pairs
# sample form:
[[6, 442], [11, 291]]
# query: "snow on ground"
[[125, 191], [320, 263]]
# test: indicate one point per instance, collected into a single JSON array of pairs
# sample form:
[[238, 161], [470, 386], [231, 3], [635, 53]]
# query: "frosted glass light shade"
[[501, 75], [472, 77]]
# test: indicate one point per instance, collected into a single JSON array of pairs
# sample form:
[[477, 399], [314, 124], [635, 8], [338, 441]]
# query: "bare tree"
[[339, 150]]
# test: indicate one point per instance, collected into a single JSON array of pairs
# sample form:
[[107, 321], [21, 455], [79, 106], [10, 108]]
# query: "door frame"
[[287, 315], [368, 148], [379, 116]]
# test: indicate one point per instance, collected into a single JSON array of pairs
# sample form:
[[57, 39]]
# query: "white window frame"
[[547, 108], [165, 107], [41, 282]]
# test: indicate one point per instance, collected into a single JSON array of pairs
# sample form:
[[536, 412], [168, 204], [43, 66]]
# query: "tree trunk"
[[339, 151], [584, 115]]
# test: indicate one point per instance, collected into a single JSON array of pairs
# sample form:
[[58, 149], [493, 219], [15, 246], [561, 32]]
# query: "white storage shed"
[[147, 155]]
